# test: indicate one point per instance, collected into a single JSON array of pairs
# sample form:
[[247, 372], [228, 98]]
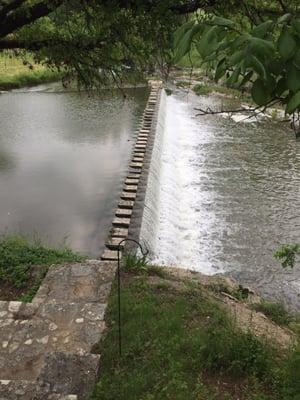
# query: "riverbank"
[[14, 74], [188, 336]]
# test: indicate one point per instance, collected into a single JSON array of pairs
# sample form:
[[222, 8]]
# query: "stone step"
[[138, 155], [129, 181], [122, 212], [142, 150], [134, 175], [128, 196], [130, 188], [113, 243], [121, 222], [119, 232], [136, 165], [109, 255], [126, 204]]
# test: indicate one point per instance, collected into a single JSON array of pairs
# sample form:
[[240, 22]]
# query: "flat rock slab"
[[78, 283], [128, 196]]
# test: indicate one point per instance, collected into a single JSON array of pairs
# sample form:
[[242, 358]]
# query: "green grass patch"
[[15, 73], [179, 343], [19, 257]]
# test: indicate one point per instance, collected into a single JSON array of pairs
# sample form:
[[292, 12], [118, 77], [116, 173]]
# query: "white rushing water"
[[222, 196]]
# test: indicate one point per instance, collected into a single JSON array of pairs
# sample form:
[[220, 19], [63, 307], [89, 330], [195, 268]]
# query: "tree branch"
[[24, 16], [39, 44]]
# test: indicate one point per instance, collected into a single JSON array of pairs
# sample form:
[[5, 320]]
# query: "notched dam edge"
[[127, 224]]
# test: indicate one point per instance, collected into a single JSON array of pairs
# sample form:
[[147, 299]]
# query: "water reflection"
[[70, 155]]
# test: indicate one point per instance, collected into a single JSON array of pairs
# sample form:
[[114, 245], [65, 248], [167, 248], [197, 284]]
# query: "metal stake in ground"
[[144, 253]]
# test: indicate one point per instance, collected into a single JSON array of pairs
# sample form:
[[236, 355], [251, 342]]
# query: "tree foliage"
[[95, 40], [259, 49]]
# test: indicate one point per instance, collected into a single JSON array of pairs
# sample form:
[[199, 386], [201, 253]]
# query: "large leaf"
[[259, 92], [293, 103], [223, 22], [261, 30], [234, 76], [220, 70], [258, 67], [184, 46], [181, 31], [261, 48], [296, 25], [236, 57], [296, 59], [293, 78], [276, 65], [281, 86], [284, 18], [209, 42], [286, 44]]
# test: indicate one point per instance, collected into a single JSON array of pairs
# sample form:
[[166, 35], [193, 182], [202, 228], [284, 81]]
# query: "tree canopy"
[[93, 39], [253, 43], [258, 47]]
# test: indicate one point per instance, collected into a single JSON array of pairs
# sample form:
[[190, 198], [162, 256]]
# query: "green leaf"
[[296, 25], [220, 70], [261, 48], [258, 67], [236, 57], [261, 30], [208, 42], [180, 32], [296, 59], [276, 66], [223, 22], [286, 44], [284, 18], [184, 46], [293, 79], [259, 93], [234, 76], [293, 104], [281, 86]]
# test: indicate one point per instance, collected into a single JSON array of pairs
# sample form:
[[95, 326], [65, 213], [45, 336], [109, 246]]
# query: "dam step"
[[123, 212], [121, 222], [119, 232], [110, 255], [113, 243]]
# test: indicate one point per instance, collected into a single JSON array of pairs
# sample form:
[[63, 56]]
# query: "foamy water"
[[225, 195]]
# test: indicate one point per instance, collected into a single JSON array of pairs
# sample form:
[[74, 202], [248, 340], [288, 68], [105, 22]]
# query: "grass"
[[15, 74], [277, 313], [19, 256], [179, 343]]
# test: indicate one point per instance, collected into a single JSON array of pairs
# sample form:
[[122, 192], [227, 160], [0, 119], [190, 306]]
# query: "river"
[[227, 195], [63, 158]]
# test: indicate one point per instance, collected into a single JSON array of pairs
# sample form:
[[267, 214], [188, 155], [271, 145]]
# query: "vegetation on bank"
[[180, 343], [24, 263], [15, 74]]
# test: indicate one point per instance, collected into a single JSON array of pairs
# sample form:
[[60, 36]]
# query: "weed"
[[275, 311]]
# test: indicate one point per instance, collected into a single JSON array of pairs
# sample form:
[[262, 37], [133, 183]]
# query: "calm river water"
[[227, 195], [63, 157]]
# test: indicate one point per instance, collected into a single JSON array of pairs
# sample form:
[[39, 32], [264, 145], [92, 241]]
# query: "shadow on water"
[[65, 155]]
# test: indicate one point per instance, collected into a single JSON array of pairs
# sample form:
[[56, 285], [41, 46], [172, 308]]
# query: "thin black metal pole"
[[119, 287]]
